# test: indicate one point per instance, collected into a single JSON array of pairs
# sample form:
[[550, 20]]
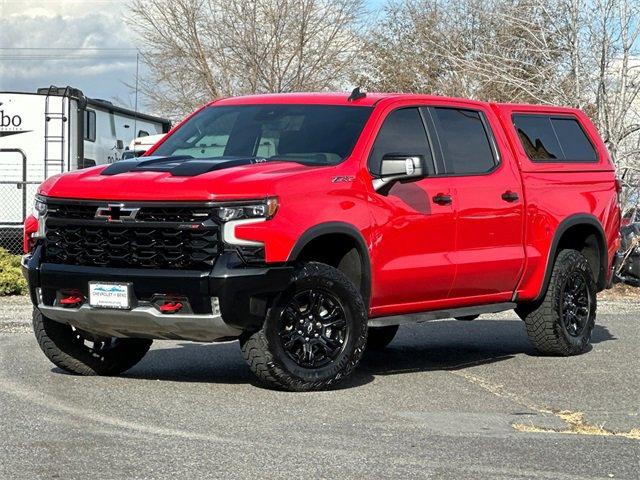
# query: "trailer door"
[[13, 187]]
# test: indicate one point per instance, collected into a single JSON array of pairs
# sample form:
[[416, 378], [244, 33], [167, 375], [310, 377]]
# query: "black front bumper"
[[244, 293]]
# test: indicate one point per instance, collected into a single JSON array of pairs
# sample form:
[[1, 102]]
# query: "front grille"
[[146, 214], [70, 210], [180, 237], [184, 214]]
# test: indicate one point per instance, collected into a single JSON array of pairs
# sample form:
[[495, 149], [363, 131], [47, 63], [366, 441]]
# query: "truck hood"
[[168, 178]]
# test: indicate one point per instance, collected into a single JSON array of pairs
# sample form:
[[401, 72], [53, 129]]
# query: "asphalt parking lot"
[[447, 399]]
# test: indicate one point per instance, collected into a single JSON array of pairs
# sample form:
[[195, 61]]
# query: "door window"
[[402, 133], [464, 141]]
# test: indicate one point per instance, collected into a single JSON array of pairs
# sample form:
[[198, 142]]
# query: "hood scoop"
[[178, 166]]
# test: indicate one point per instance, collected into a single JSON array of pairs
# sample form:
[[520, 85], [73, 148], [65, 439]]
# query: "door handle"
[[442, 199], [510, 196]]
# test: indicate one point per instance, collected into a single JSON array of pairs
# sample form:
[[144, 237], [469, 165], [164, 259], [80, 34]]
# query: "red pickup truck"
[[309, 226]]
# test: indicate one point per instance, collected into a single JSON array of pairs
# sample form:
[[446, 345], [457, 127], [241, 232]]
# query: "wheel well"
[[588, 240], [341, 251]]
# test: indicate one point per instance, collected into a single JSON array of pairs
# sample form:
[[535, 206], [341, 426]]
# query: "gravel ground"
[[15, 314], [447, 399]]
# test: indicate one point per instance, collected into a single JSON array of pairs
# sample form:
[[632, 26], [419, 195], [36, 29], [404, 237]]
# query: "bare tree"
[[615, 39], [197, 50], [399, 53], [493, 49], [606, 83]]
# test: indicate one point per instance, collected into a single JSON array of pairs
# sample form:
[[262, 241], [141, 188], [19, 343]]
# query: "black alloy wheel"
[[313, 328], [576, 303]]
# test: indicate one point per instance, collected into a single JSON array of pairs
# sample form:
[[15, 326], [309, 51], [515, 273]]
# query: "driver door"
[[414, 237]]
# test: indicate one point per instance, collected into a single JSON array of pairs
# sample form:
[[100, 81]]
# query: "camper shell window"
[[551, 138]]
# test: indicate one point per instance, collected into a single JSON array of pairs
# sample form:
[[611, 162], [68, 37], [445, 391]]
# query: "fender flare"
[[343, 228], [566, 224]]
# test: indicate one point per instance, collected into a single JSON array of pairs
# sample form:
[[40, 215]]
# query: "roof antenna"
[[356, 94]]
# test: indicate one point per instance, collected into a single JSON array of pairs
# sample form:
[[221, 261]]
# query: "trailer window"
[[553, 139], [90, 125]]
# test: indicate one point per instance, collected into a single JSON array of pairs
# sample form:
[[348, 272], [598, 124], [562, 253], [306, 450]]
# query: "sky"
[[56, 42], [63, 42]]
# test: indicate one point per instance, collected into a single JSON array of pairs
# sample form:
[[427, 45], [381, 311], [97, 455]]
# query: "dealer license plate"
[[110, 295]]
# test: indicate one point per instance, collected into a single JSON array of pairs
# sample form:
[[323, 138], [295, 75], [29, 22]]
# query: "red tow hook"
[[170, 307], [71, 301]]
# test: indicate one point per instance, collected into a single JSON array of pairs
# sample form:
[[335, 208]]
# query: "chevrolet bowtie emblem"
[[116, 213]]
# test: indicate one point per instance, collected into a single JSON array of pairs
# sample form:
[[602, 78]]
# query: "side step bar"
[[438, 314]]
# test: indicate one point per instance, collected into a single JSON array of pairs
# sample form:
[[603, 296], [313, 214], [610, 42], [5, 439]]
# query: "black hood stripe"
[[179, 166]]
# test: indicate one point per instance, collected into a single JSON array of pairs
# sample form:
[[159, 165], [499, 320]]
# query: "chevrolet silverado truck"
[[309, 226]]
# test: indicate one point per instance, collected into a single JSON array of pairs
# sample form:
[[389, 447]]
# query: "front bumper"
[[143, 322], [243, 295]]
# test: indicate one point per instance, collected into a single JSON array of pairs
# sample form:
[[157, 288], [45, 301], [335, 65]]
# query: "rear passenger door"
[[489, 253]]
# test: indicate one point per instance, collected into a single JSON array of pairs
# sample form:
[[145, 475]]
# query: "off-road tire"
[[544, 320], [66, 348], [379, 338], [266, 357]]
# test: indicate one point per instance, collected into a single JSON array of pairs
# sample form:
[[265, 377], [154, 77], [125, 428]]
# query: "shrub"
[[11, 280]]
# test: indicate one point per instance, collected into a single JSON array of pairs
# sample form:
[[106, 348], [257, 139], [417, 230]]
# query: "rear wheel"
[[562, 322], [83, 353], [380, 337], [313, 336]]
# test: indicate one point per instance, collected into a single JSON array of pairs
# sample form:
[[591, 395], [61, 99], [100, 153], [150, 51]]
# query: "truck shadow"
[[454, 345], [195, 362], [432, 346]]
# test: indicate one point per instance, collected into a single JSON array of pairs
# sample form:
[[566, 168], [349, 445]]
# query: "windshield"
[[311, 134]]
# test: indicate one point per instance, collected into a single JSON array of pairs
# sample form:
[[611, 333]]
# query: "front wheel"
[[314, 334], [562, 322], [83, 353]]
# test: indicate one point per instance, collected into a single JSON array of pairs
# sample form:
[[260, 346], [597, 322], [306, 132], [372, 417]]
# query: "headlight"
[[40, 208], [40, 212], [236, 215], [265, 209]]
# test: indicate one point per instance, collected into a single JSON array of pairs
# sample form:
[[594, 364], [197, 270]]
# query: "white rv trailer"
[[140, 145], [52, 131]]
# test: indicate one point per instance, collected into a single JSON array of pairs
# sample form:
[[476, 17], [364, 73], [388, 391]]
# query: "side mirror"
[[397, 167], [119, 144]]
